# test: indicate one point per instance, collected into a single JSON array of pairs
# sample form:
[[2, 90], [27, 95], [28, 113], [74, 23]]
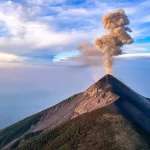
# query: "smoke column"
[[117, 35]]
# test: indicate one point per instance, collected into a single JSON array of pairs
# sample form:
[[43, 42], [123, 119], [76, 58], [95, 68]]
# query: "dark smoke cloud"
[[111, 43]]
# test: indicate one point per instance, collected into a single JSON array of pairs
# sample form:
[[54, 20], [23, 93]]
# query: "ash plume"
[[88, 49], [117, 35], [89, 55]]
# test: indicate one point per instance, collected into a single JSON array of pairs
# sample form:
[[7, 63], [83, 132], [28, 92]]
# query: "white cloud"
[[135, 48], [145, 3], [13, 15], [29, 35], [142, 55], [4, 57], [42, 2], [145, 18], [37, 35], [36, 1]]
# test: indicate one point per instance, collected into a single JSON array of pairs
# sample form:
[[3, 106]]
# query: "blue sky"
[[38, 39], [48, 29]]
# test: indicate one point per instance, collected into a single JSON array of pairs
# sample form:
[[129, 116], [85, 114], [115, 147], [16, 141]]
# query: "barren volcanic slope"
[[64, 126]]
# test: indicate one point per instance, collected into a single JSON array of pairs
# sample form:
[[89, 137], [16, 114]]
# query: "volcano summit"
[[108, 116]]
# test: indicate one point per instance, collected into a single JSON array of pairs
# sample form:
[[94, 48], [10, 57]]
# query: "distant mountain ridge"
[[106, 92]]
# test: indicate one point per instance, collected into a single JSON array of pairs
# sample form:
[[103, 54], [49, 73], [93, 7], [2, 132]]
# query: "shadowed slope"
[[102, 129]]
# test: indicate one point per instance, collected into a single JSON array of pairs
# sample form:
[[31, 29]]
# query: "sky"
[[38, 38]]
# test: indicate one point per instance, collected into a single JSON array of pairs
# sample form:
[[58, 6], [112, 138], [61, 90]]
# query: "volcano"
[[108, 115]]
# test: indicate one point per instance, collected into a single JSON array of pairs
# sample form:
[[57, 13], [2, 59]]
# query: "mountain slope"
[[106, 91], [102, 129]]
